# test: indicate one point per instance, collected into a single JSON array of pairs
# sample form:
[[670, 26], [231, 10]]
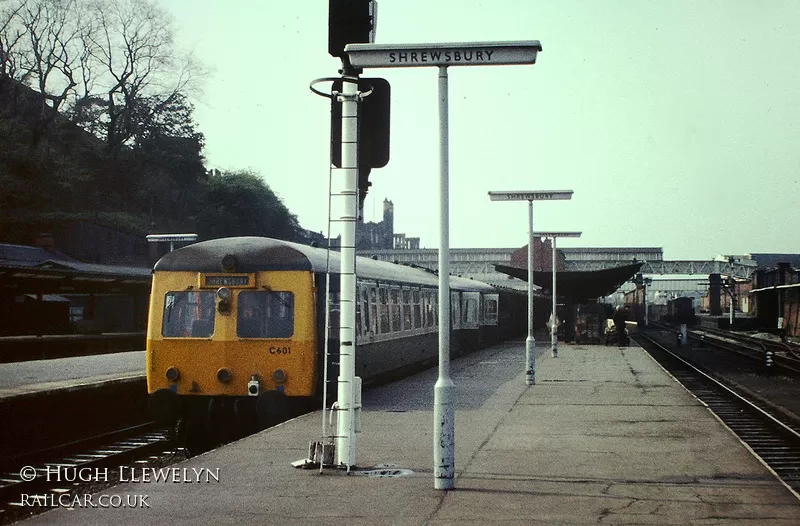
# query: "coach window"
[[373, 308], [383, 306], [189, 314], [362, 311], [430, 308], [470, 314], [417, 308], [394, 303], [490, 309], [265, 314], [407, 323], [455, 310], [359, 328], [334, 308]]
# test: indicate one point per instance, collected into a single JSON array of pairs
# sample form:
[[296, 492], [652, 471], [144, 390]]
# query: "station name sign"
[[557, 234], [539, 195], [452, 54]]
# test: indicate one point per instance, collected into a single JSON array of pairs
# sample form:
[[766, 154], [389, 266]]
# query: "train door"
[[469, 309], [490, 308]]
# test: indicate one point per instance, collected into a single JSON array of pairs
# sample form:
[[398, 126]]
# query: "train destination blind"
[[463, 54], [227, 280]]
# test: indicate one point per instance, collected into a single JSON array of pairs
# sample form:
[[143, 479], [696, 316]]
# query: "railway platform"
[[604, 437], [20, 379]]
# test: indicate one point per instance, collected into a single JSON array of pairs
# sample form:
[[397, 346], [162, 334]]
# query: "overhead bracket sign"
[[450, 54], [536, 195]]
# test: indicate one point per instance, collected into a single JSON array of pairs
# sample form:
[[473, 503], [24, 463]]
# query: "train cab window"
[[265, 314], [189, 314]]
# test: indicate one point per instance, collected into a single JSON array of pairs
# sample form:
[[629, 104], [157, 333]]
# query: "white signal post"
[[530, 197], [442, 56], [345, 444], [554, 325]]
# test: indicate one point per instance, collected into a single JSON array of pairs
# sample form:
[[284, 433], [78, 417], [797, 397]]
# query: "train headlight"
[[254, 386], [279, 376], [173, 374], [224, 295], [224, 375]]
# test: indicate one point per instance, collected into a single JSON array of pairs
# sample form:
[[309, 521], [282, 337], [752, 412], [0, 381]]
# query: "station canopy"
[[577, 286]]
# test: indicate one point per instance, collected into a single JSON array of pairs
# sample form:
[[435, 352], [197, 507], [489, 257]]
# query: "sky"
[[676, 124]]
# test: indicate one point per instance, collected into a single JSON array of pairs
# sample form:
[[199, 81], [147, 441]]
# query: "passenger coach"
[[236, 326]]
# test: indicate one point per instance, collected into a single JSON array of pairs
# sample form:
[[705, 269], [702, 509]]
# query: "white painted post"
[[443, 406], [530, 341], [554, 326], [348, 196], [443, 55], [530, 196]]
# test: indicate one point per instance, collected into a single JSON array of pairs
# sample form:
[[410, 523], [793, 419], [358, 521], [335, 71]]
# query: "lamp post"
[[554, 325], [642, 281], [530, 197], [442, 56]]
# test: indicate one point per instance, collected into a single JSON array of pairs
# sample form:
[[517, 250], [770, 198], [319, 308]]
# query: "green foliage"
[[110, 134], [241, 204]]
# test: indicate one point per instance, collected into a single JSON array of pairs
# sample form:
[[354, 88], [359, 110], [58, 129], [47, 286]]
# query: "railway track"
[[29, 483], [783, 354], [783, 357], [773, 437]]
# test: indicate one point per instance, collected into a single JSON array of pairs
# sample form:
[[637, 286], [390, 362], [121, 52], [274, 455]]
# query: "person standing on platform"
[[619, 324]]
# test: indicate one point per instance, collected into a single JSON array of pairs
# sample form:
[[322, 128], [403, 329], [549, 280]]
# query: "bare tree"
[[98, 59], [52, 30], [134, 44], [11, 34]]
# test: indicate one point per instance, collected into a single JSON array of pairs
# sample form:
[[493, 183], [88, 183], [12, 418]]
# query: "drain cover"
[[383, 471]]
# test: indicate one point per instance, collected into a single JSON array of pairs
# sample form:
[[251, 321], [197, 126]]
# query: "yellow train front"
[[231, 337]]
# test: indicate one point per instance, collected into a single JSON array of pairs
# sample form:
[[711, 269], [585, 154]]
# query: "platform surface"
[[39, 376], [604, 437]]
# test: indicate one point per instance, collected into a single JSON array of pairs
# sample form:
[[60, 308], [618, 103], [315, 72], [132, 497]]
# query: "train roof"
[[255, 254]]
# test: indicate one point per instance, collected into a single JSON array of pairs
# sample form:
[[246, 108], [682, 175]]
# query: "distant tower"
[[388, 224]]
